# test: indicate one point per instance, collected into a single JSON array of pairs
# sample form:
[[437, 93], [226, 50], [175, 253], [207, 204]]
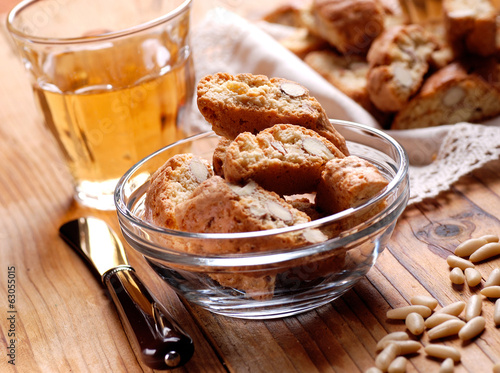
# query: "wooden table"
[[66, 323]]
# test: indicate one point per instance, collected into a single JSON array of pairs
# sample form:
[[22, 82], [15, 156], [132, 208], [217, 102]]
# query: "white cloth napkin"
[[439, 156]]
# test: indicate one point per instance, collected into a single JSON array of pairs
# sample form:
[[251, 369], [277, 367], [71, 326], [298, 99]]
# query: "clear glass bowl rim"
[[394, 184]]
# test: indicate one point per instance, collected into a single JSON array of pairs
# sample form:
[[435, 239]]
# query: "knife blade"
[[155, 336]]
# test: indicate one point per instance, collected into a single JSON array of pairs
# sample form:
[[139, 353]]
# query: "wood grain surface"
[[64, 321]]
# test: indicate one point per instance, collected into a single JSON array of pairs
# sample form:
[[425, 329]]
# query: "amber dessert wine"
[[105, 128], [115, 89]]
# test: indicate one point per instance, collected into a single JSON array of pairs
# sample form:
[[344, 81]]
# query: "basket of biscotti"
[[408, 68]]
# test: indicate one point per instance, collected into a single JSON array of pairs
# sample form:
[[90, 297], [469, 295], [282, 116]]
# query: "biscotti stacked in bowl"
[[407, 71], [276, 211]]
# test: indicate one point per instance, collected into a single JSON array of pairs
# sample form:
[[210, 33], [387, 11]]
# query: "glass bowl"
[[285, 279]]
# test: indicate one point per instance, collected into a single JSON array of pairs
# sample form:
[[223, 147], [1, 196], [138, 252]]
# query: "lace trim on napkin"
[[438, 156]]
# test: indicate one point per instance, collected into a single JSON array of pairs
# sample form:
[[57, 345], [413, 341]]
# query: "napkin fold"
[[439, 156]]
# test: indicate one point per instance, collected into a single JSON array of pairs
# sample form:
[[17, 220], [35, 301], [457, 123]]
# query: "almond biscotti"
[[233, 104], [171, 184], [348, 182], [348, 25], [452, 95], [285, 158], [470, 26], [399, 60]]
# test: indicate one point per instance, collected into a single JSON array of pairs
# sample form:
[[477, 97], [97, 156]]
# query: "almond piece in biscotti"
[[292, 89]]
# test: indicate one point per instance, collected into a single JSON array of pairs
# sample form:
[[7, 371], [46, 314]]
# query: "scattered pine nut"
[[496, 313], [373, 370], [391, 337], [438, 318], [468, 247], [473, 307], [473, 328], [455, 261], [454, 309], [457, 276], [447, 366], [407, 347], [485, 252], [490, 238], [415, 323], [493, 278], [424, 300], [491, 291], [398, 365], [446, 329], [386, 356], [402, 312], [442, 352], [472, 276]]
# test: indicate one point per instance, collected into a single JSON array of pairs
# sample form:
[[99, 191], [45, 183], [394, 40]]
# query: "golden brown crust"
[[233, 104], [219, 156], [470, 26], [348, 25]]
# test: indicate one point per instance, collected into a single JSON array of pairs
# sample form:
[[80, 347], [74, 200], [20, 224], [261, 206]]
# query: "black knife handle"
[[159, 340]]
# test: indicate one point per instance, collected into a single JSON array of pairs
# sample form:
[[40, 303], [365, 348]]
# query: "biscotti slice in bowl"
[[285, 158], [233, 104], [171, 184], [450, 95]]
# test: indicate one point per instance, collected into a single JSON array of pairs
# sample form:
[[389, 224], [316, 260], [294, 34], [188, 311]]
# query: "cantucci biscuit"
[[285, 158], [233, 104]]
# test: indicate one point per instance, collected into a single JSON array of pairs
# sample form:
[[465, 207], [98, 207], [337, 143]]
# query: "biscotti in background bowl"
[[386, 68]]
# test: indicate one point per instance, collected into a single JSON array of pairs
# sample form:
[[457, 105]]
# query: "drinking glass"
[[113, 80]]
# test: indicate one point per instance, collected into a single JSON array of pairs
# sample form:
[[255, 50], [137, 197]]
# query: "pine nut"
[[457, 276], [490, 238], [424, 300], [373, 370], [474, 306], [491, 291], [454, 309], [473, 328], [447, 366], [415, 323], [496, 368], [401, 312], [398, 365], [403, 347], [455, 261], [446, 329], [472, 276], [438, 318], [443, 352], [466, 248], [496, 313], [386, 356], [391, 337], [407, 347], [493, 278], [485, 252]]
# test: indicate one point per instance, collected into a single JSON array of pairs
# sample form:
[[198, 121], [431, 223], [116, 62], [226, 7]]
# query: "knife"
[[156, 337]]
